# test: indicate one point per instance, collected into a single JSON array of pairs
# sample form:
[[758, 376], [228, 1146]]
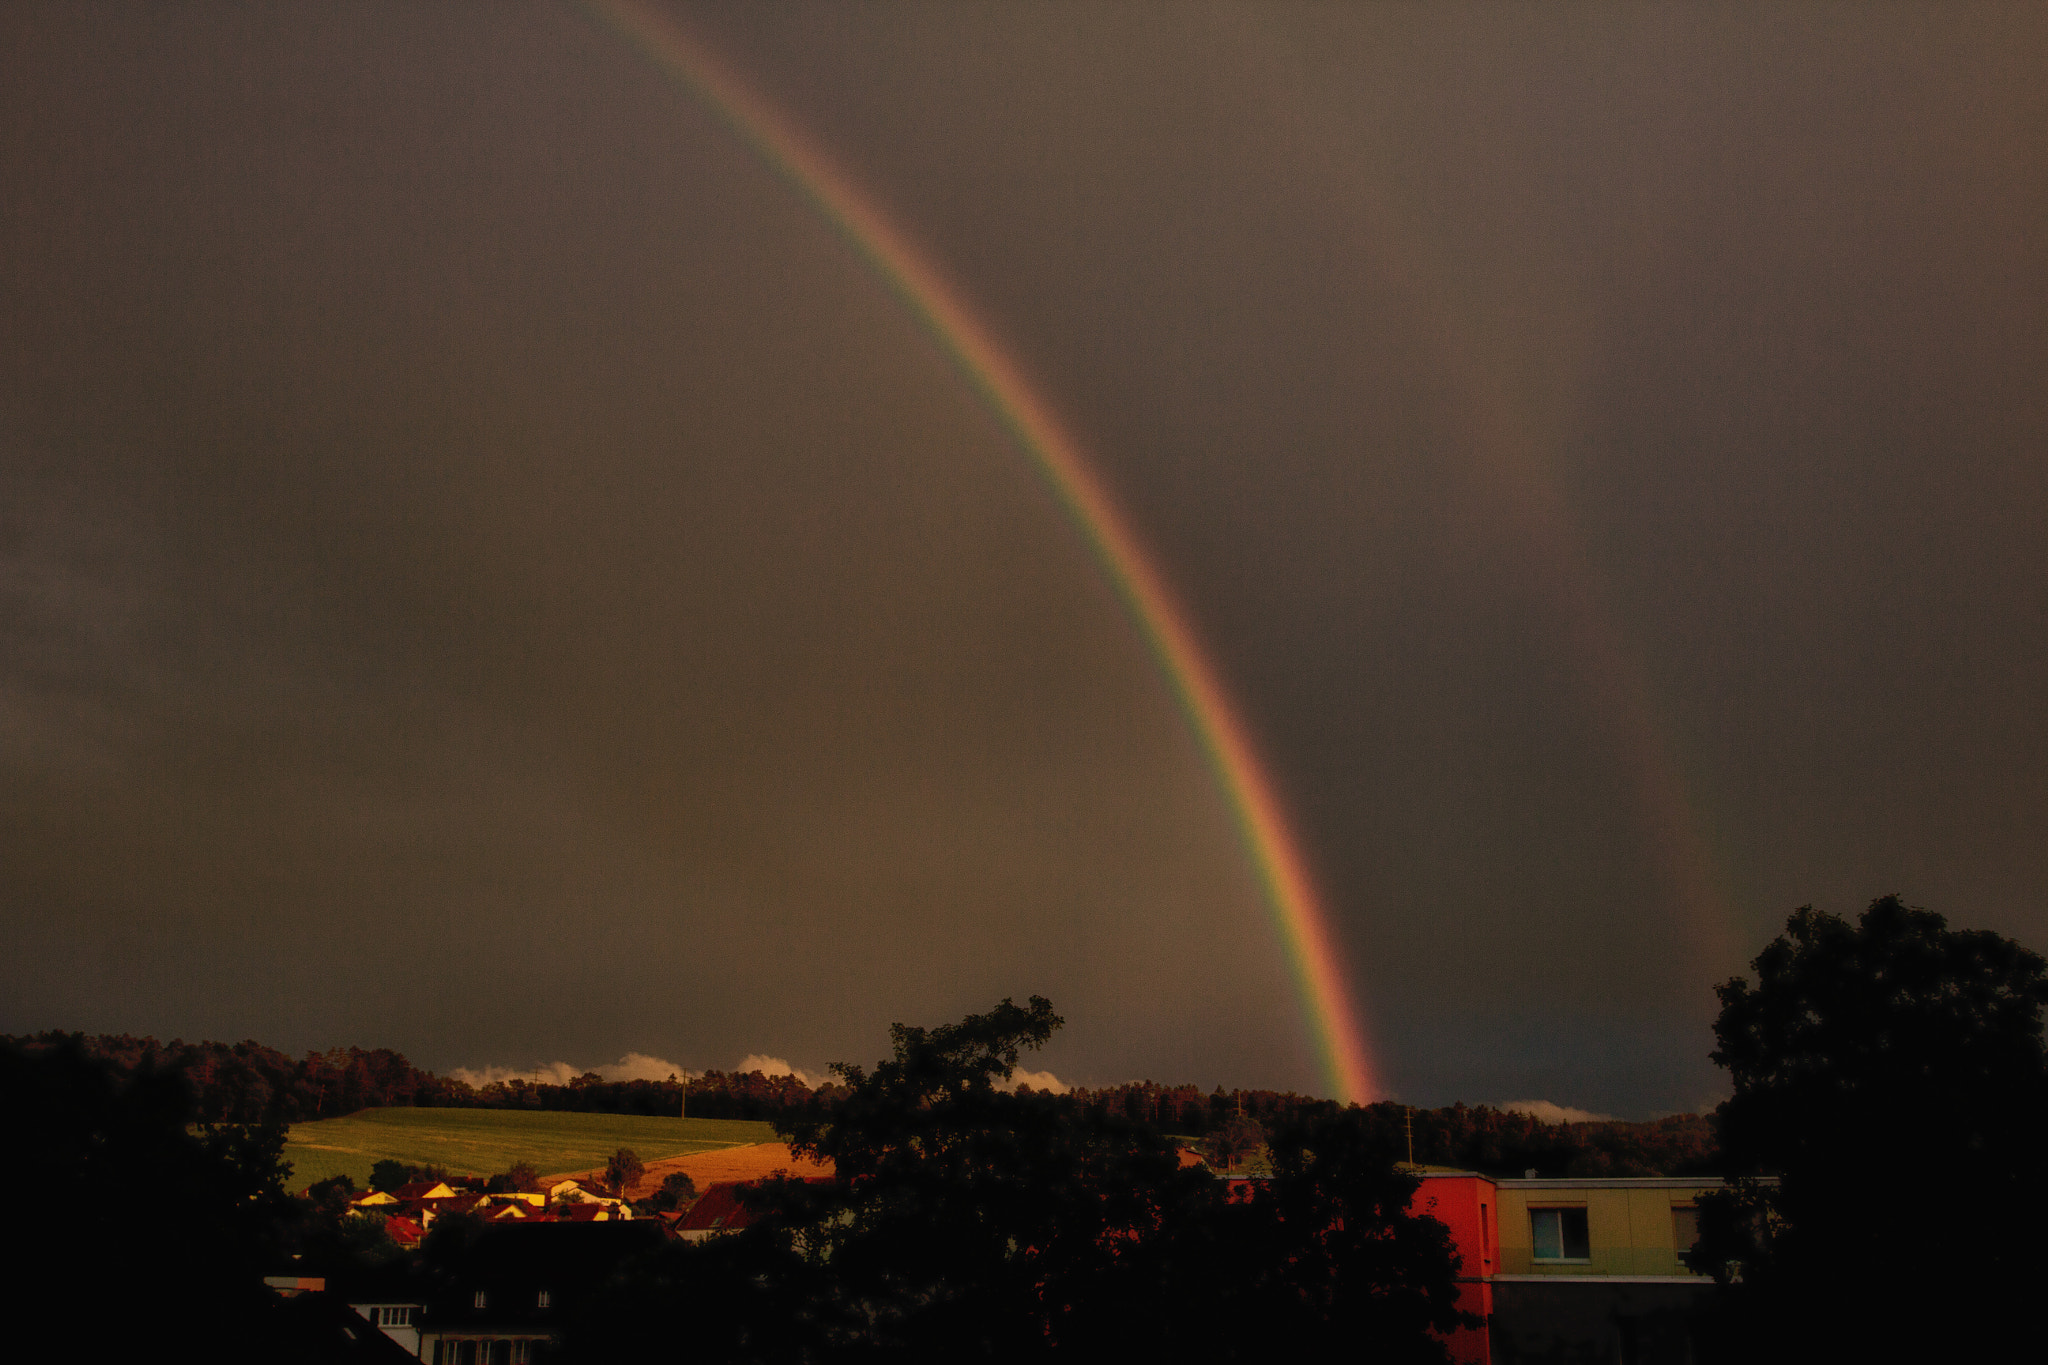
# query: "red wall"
[[1470, 1207]]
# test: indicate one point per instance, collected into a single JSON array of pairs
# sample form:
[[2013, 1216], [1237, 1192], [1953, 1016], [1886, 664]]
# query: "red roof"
[[718, 1209], [417, 1189], [403, 1231]]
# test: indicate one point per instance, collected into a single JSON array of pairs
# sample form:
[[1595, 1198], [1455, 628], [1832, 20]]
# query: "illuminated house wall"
[[1630, 1227]]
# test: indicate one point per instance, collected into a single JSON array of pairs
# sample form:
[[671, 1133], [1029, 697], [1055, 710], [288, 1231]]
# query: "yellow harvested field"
[[755, 1161], [486, 1141]]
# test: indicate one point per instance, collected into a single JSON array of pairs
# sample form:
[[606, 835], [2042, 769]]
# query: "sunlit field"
[[485, 1141]]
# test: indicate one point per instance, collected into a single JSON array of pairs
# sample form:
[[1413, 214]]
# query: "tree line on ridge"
[[248, 1082]]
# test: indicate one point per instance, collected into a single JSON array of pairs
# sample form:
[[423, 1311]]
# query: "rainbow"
[[1298, 913]]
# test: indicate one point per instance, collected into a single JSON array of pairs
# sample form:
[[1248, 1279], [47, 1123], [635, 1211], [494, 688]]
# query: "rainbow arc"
[[1298, 913]]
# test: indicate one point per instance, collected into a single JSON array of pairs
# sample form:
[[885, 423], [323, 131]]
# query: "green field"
[[486, 1141]]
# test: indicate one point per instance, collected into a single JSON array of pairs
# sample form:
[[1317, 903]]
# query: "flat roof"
[[1658, 1182]]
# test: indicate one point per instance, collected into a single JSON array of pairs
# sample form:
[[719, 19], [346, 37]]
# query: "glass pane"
[[1543, 1230], [1572, 1223]]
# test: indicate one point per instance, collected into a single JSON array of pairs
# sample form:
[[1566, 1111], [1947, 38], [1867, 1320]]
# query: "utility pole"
[[1411, 1133]]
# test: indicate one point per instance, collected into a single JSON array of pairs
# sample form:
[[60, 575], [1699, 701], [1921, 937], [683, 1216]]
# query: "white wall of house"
[[399, 1321]]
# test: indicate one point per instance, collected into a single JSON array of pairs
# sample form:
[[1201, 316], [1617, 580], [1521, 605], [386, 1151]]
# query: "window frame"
[[1559, 1212]]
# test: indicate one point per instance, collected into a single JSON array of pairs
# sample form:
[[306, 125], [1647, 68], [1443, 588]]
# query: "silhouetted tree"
[[622, 1170], [1232, 1141], [964, 1220], [330, 1197], [119, 1189], [1892, 1074], [1321, 1260], [448, 1242], [676, 1191]]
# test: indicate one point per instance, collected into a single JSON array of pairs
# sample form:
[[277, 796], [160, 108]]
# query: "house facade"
[[505, 1302], [398, 1319]]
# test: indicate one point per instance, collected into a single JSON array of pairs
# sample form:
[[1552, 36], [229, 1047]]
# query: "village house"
[[398, 1320], [580, 1191], [716, 1210], [507, 1298]]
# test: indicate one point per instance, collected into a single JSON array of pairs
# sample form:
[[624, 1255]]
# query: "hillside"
[[486, 1141], [756, 1161]]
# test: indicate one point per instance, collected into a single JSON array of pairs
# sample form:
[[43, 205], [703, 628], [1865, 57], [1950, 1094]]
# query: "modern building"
[[1574, 1270], [1469, 1205], [1593, 1269]]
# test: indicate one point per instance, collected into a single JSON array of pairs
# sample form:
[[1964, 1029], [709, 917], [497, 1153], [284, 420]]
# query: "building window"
[[479, 1298], [1560, 1234], [1685, 1226], [542, 1301]]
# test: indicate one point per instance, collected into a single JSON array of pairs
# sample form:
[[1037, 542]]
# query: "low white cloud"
[[1037, 1080], [1543, 1111], [634, 1066], [775, 1066], [638, 1066]]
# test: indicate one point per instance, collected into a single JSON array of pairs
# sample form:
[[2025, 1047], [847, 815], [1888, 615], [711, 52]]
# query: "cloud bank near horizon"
[[776, 1066], [634, 1066], [1037, 1080], [639, 1066], [1543, 1111]]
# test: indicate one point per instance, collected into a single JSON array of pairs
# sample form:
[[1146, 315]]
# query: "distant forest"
[[249, 1083]]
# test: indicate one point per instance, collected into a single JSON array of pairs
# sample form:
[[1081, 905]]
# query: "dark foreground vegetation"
[[135, 1232], [1892, 1073], [1889, 1074], [965, 1220], [968, 1222]]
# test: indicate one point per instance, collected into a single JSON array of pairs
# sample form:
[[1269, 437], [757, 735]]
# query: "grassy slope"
[[485, 1141]]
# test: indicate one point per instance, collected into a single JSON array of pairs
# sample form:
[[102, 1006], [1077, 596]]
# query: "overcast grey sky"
[[486, 570]]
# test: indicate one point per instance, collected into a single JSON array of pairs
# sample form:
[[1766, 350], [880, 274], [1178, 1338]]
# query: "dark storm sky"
[[485, 570]]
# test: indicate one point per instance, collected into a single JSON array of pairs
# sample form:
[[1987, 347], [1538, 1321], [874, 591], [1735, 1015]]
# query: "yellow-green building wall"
[[1630, 1228]]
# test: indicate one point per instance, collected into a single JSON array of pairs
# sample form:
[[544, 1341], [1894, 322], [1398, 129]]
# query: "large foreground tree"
[[1892, 1075], [969, 1221], [128, 1221]]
